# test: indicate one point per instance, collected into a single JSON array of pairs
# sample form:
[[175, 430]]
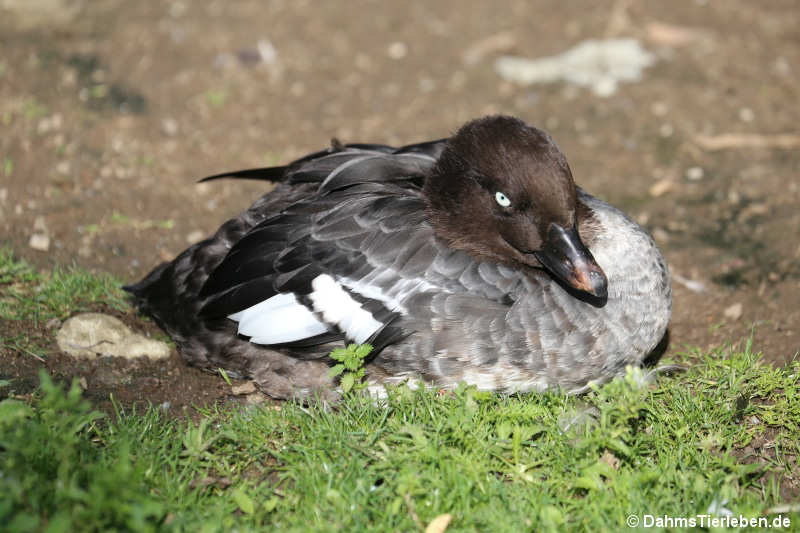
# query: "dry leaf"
[[610, 459], [439, 524], [670, 35], [661, 187]]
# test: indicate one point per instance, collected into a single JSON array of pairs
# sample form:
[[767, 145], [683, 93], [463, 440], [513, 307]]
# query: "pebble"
[[694, 173], [661, 187], [40, 242], [659, 109], [169, 126], [397, 50], [746, 114], [734, 312], [660, 235], [267, 51], [195, 236]]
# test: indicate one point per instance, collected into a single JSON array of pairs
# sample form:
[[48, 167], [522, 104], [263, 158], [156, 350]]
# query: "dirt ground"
[[111, 110]]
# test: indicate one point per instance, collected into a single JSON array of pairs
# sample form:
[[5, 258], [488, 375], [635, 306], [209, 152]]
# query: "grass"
[[26, 294], [32, 298], [721, 439]]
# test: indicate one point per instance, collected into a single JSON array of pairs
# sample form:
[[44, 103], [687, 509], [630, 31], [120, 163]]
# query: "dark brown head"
[[503, 191]]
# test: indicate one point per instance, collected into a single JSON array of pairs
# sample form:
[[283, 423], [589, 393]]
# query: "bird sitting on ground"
[[470, 259]]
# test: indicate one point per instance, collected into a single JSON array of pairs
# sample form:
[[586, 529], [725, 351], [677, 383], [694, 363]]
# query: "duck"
[[473, 259]]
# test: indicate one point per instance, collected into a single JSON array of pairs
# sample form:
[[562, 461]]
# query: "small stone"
[[195, 236], [244, 389], [40, 242], [89, 335], [782, 67], [267, 52], [660, 235], [661, 187], [694, 173], [169, 126], [746, 114], [397, 50], [734, 312], [659, 109], [666, 130], [63, 167], [53, 323]]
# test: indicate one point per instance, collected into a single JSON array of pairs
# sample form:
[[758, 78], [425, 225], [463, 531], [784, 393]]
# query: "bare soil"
[[111, 110]]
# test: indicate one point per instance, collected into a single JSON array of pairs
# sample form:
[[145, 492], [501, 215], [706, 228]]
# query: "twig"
[[747, 140], [410, 505]]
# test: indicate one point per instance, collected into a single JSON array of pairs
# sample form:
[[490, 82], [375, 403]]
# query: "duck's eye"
[[502, 199]]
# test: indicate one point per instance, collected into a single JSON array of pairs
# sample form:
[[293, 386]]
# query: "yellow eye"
[[502, 199]]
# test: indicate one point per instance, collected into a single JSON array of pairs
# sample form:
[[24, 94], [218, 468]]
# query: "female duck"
[[473, 258]]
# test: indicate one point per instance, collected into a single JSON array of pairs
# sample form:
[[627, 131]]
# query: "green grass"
[[38, 297], [495, 463], [32, 298], [722, 437]]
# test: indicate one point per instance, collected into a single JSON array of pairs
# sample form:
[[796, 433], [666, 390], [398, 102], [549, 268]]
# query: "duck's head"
[[502, 190]]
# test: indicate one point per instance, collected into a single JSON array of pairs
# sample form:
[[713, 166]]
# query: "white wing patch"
[[278, 319], [282, 318], [338, 307], [395, 292]]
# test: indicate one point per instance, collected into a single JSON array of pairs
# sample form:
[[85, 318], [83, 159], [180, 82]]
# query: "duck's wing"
[[335, 264]]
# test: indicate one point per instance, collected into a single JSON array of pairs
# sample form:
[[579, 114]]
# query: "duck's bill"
[[568, 259]]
